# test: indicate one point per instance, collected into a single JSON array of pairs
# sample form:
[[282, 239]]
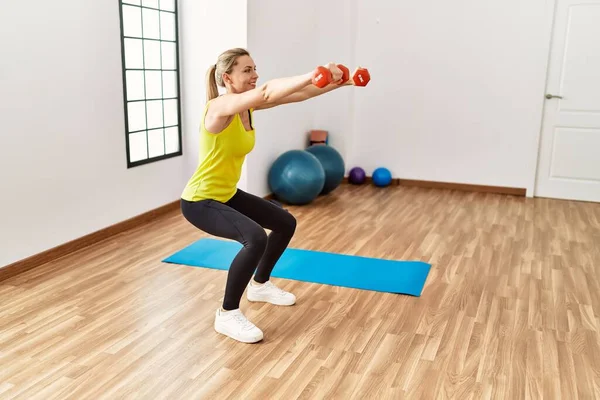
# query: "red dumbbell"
[[361, 77], [321, 77], [345, 73]]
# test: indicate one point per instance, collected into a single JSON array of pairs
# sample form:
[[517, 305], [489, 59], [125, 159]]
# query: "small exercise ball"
[[382, 177], [332, 163], [357, 176], [296, 177]]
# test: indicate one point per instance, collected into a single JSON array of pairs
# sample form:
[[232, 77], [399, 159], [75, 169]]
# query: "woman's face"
[[243, 77]]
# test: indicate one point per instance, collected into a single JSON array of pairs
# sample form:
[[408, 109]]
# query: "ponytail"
[[211, 83]]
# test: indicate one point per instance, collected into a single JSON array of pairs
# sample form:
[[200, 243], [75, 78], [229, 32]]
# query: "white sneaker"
[[270, 293], [235, 325]]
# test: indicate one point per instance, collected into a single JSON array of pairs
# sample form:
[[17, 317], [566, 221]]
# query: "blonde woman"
[[211, 200]]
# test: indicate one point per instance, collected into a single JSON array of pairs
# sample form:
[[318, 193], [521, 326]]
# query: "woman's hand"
[[336, 73]]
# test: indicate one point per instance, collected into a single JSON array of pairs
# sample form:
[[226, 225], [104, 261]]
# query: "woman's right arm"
[[269, 92]]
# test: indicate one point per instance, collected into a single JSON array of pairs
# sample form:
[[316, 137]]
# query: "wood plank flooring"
[[511, 310]]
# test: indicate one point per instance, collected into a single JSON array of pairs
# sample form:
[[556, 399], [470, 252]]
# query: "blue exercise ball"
[[296, 177], [333, 165], [382, 177]]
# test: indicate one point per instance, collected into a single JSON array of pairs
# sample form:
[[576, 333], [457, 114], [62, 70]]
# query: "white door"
[[569, 156]]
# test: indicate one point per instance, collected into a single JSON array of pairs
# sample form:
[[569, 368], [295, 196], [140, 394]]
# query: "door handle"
[[550, 96]]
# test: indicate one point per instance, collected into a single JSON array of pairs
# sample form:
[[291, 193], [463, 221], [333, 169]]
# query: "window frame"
[[177, 70]]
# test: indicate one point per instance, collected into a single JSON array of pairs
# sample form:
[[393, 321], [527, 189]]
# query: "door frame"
[[549, 24]]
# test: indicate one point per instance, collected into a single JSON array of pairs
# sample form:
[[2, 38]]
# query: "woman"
[[211, 200]]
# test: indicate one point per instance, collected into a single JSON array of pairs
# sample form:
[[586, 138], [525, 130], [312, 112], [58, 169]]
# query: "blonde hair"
[[224, 65]]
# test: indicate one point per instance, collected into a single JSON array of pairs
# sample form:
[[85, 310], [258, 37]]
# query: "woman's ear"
[[227, 78]]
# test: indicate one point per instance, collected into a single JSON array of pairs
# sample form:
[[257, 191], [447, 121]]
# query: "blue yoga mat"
[[406, 277]]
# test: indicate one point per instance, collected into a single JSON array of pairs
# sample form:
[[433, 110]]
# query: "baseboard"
[[454, 186], [369, 180], [82, 242]]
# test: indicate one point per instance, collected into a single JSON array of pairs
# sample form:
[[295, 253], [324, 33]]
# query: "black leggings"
[[242, 219]]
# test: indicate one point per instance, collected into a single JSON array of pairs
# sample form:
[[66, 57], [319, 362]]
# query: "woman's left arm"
[[308, 92], [302, 95]]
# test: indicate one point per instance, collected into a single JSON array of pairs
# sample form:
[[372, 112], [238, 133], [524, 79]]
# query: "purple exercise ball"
[[357, 175]]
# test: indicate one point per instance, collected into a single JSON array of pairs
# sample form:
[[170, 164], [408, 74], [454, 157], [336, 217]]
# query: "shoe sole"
[[259, 299], [251, 339]]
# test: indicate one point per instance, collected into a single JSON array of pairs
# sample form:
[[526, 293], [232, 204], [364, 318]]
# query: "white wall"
[[291, 38], [282, 38], [457, 89], [207, 29], [63, 169], [334, 112], [456, 92]]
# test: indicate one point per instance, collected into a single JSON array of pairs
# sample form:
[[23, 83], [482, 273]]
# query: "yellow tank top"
[[221, 156]]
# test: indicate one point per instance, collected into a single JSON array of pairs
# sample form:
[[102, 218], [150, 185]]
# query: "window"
[[150, 54]]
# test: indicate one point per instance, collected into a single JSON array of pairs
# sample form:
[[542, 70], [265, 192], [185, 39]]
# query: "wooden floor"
[[511, 310]]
